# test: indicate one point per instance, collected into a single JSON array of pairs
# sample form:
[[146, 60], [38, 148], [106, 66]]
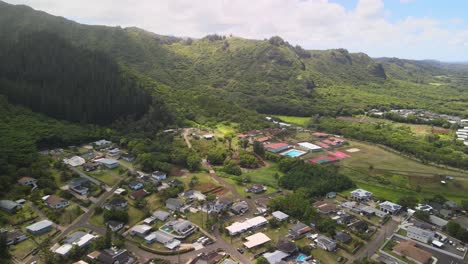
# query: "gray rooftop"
[[39, 225]]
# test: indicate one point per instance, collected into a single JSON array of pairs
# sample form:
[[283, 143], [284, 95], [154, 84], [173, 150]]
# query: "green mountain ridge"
[[217, 78]]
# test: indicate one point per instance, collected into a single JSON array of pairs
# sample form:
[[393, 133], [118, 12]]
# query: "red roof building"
[[324, 160], [276, 147], [323, 145], [263, 139], [320, 134]]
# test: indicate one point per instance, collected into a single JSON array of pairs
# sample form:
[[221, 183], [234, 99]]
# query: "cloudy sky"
[[415, 29]]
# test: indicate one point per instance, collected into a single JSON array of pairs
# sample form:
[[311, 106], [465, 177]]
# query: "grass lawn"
[[391, 176], [265, 175], [97, 220], [295, 120], [109, 177], [70, 214], [225, 129], [325, 256], [25, 213], [20, 250]]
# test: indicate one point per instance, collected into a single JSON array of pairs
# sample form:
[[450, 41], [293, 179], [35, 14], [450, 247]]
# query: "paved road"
[[377, 241]]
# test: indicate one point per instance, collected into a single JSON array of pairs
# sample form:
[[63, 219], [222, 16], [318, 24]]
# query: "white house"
[[159, 175], [390, 208], [109, 163], [75, 161], [419, 234], [361, 195]]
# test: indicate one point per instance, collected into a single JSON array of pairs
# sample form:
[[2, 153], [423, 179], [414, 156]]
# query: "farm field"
[[295, 120], [391, 176]]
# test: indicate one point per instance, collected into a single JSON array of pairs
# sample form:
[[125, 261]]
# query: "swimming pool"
[[293, 153], [301, 258]]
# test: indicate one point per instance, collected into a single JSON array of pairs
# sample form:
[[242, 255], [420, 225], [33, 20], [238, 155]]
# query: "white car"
[[462, 249]]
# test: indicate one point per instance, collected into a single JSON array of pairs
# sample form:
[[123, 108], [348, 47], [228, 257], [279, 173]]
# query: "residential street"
[[377, 241]]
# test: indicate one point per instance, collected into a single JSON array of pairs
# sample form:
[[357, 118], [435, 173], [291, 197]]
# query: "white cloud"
[[314, 24]]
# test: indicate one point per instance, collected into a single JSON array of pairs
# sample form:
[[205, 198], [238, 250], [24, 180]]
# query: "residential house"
[[149, 220], [14, 237], [256, 188], [390, 208], [27, 181], [275, 257], [115, 152], [249, 224], [343, 237], [208, 136], [361, 195], [161, 215], [9, 206], [160, 176], [88, 155], [79, 239], [183, 228], [437, 221], [55, 202], [286, 246], [424, 207], [102, 143], [115, 225], [40, 227], [436, 207], [419, 234], [167, 240], [240, 207], [134, 185], [326, 243], [299, 230], [174, 204], [276, 147], [114, 256], [359, 226], [221, 204], [320, 134], [79, 185], [116, 203], [280, 216], [256, 240], [140, 230], [325, 207], [330, 195], [193, 195], [212, 257], [175, 183], [108, 163], [128, 157], [74, 161], [451, 205], [140, 194], [90, 166], [369, 211], [409, 250], [344, 219]]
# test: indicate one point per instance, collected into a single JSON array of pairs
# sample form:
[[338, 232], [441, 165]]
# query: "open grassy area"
[[70, 214], [20, 250], [109, 177], [224, 129], [295, 120], [265, 175], [391, 176], [325, 256]]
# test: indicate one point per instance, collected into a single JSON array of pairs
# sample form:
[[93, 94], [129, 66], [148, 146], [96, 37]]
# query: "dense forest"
[[44, 72], [23, 133]]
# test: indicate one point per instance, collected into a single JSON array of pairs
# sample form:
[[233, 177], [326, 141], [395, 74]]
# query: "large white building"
[[241, 227], [419, 234]]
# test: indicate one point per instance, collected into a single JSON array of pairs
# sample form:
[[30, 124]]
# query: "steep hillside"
[[217, 78], [46, 73]]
